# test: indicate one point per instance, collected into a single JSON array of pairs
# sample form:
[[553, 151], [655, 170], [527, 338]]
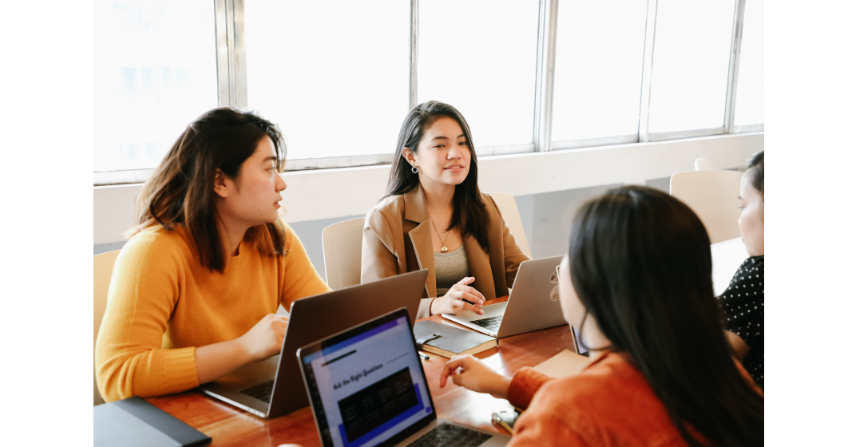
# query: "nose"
[[454, 152], [280, 184]]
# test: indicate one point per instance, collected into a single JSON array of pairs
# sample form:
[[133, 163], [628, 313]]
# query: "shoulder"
[[157, 241], [155, 247], [599, 390], [384, 215], [390, 205], [490, 204]]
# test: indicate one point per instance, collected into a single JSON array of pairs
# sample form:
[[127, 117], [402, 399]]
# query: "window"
[[690, 68], [155, 71], [338, 76], [750, 98], [599, 66], [335, 85], [480, 57]]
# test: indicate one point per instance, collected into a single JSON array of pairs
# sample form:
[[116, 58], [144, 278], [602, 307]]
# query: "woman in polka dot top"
[[743, 302]]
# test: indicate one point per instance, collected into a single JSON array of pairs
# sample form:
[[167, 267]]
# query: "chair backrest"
[[342, 244], [713, 196], [102, 272], [509, 211], [702, 164]]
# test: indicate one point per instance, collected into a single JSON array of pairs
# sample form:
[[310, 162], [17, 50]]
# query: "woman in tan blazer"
[[433, 210]]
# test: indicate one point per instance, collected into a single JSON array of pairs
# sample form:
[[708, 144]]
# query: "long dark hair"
[[468, 209], [756, 171], [641, 264], [180, 191]]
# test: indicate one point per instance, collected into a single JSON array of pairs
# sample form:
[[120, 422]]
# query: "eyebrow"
[[271, 158], [445, 138]]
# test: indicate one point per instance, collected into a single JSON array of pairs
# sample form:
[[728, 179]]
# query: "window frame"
[[231, 63]]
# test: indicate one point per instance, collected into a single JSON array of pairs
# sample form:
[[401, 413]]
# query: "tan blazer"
[[397, 239]]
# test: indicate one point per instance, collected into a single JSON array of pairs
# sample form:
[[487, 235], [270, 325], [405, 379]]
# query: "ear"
[[409, 156], [221, 184]]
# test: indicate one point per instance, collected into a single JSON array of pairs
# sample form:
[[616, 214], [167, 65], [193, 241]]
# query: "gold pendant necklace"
[[443, 248]]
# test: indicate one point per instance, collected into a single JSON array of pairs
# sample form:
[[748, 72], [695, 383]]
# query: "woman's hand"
[[265, 338], [453, 301], [469, 372]]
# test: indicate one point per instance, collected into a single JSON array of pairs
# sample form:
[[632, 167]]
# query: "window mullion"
[[545, 63], [415, 35], [734, 63], [648, 59]]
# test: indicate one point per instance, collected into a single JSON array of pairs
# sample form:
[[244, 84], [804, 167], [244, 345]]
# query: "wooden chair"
[[102, 271], [342, 244], [713, 196], [509, 210]]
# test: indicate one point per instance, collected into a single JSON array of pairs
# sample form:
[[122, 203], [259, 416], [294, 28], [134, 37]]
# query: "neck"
[[232, 235], [438, 195], [596, 340]]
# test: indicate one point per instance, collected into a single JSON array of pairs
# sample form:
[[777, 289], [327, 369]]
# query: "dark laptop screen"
[[367, 385]]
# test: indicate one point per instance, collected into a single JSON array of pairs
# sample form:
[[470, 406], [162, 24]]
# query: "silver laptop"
[[271, 387], [367, 387], [533, 303]]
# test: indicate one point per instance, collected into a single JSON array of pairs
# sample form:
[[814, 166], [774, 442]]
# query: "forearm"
[[215, 360], [500, 387]]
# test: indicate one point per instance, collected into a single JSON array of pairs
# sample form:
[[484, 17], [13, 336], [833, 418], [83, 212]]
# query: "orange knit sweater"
[[610, 403], [162, 304]]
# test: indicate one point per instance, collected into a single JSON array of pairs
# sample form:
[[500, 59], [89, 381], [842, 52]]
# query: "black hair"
[[181, 188], [640, 262], [468, 209], [756, 171]]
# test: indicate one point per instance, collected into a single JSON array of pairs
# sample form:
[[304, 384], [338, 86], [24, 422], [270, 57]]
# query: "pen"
[[423, 355]]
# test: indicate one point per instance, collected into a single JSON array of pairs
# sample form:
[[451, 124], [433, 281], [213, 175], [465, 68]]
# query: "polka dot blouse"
[[743, 305]]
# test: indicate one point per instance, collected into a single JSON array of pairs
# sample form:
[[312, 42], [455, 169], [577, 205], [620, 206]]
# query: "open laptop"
[[533, 303], [271, 387], [367, 387]]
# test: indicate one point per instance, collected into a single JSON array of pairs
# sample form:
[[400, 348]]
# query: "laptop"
[[533, 303], [271, 387], [367, 387]]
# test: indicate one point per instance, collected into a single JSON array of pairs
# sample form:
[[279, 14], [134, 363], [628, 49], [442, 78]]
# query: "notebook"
[[447, 341], [133, 422], [367, 387]]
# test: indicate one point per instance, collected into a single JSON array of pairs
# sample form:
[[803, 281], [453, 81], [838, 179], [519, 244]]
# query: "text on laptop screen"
[[370, 386]]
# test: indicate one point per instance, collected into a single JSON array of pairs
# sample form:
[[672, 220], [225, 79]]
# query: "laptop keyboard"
[[261, 391], [451, 436], [492, 324]]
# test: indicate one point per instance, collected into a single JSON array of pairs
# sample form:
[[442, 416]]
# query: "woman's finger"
[[477, 293], [466, 280], [471, 308], [447, 369]]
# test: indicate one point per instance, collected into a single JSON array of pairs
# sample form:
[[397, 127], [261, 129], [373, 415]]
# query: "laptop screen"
[[367, 385]]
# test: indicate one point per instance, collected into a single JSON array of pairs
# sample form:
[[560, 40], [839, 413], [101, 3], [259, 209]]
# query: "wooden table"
[[228, 425]]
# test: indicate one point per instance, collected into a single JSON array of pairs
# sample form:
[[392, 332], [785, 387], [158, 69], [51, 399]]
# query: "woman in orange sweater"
[[195, 291], [637, 283]]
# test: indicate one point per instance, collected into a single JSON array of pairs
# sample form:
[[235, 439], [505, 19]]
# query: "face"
[[443, 154], [572, 309], [252, 198], [752, 220]]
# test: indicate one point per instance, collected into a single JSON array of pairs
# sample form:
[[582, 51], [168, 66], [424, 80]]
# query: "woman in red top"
[[637, 283]]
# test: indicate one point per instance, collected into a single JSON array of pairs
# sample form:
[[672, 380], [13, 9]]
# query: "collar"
[[416, 209]]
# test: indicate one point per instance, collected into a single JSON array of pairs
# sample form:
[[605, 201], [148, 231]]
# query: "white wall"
[[320, 197]]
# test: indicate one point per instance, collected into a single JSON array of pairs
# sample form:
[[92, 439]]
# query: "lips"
[[454, 168]]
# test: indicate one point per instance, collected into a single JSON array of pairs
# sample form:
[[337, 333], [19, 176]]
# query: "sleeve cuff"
[[524, 385]]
